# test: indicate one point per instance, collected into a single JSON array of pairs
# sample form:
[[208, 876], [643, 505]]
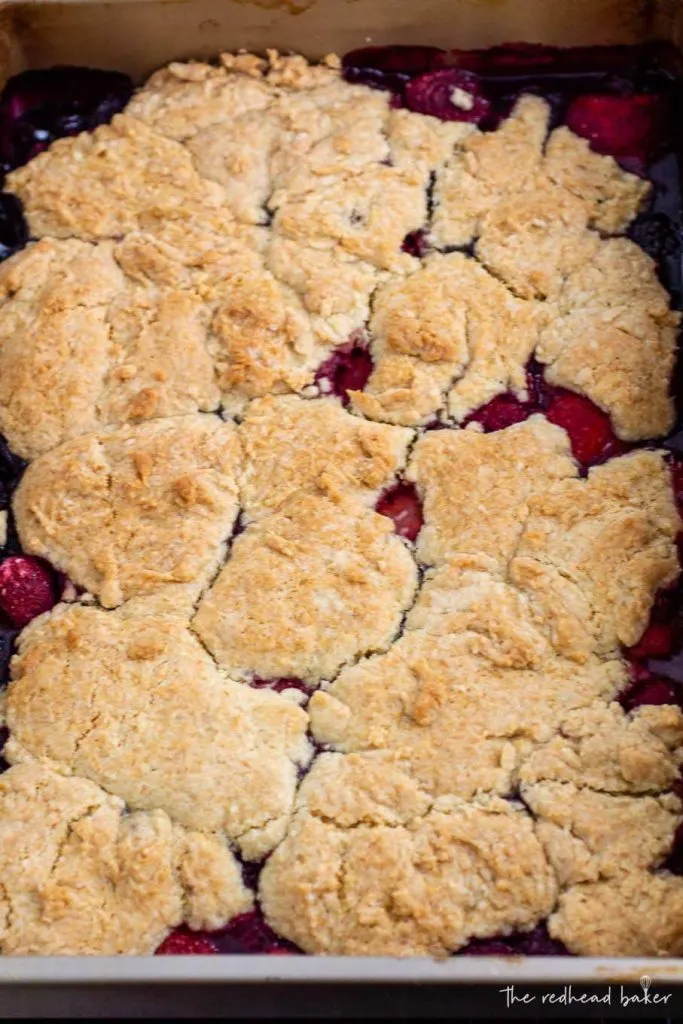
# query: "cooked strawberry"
[[249, 933], [617, 125], [402, 504], [502, 411], [449, 94], [590, 430], [656, 691], [657, 640], [27, 588], [183, 942]]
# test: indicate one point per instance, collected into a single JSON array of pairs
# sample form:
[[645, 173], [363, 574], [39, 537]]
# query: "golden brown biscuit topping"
[[198, 262]]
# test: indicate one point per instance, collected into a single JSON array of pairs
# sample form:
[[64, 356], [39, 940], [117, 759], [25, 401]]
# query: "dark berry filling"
[[4, 735], [11, 470], [37, 107], [13, 227], [347, 369], [674, 862], [534, 943], [402, 504], [415, 244], [246, 933], [388, 67], [278, 685]]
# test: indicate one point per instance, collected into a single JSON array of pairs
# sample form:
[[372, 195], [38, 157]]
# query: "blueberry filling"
[[37, 107]]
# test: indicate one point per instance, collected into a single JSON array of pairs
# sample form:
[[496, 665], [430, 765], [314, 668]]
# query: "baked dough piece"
[[181, 100], [614, 196], [81, 876], [260, 339], [416, 140], [450, 327], [615, 339], [337, 130], [636, 914], [367, 214], [511, 164], [594, 552], [132, 702], [612, 752], [334, 286], [490, 167], [486, 688], [129, 179], [127, 512], [589, 836], [475, 487], [533, 240], [306, 590], [385, 871], [290, 443], [95, 335], [54, 341]]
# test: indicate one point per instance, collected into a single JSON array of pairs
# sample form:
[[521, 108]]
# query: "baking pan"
[[136, 36]]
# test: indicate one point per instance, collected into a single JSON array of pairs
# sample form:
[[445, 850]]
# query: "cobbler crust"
[[291, 445], [388, 871], [81, 875], [131, 700], [155, 505], [197, 260], [315, 585]]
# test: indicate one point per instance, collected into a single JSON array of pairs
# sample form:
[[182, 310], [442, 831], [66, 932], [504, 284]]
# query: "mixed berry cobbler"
[[339, 517]]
